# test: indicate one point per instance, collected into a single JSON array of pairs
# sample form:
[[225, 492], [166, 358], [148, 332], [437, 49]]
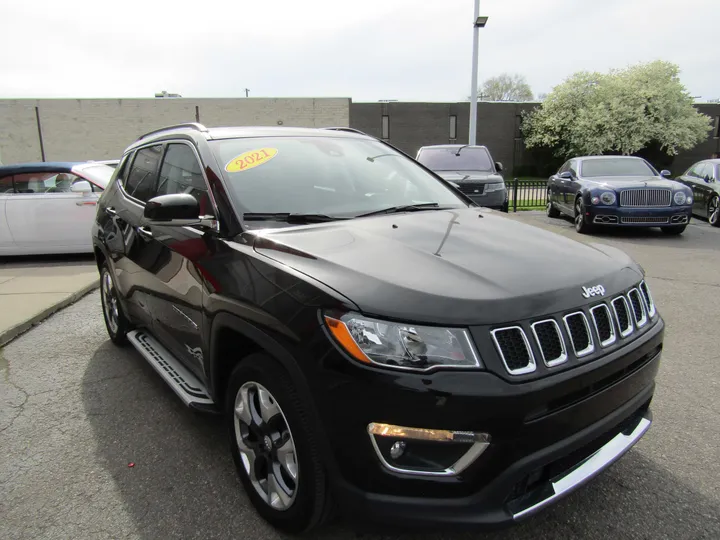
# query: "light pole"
[[479, 22]]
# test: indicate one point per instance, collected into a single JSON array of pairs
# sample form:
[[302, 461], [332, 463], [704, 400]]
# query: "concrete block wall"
[[84, 129]]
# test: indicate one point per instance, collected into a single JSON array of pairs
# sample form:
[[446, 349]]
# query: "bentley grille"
[[645, 197]]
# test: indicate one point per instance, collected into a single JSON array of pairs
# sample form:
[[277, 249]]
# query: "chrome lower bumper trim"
[[589, 468]]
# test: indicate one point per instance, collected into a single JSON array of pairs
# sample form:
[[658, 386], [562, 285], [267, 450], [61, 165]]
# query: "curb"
[[13, 332]]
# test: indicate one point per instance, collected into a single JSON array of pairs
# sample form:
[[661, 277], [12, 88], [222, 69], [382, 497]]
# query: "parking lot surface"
[[76, 412]]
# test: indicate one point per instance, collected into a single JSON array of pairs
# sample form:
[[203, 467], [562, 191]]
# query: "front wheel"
[[673, 231], [550, 209], [274, 446], [581, 225], [714, 211]]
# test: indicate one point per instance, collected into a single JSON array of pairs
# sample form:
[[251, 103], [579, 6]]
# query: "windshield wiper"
[[406, 208], [289, 217]]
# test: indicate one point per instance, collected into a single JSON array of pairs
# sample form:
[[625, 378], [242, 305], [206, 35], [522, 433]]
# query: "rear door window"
[[142, 177]]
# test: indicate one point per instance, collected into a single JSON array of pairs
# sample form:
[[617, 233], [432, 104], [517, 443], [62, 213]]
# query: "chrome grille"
[[638, 309], [514, 349], [550, 342], [579, 332], [645, 197], [622, 316], [603, 325], [639, 219], [649, 303]]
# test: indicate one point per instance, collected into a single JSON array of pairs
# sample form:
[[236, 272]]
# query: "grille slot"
[[579, 332], [550, 341], [622, 316], [641, 219], [647, 197], [471, 188], [603, 325], [514, 349], [649, 303], [638, 309]]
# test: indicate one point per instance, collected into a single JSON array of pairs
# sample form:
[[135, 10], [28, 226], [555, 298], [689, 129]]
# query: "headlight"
[[608, 198], [679, 197], [499, 186], [403, 346]]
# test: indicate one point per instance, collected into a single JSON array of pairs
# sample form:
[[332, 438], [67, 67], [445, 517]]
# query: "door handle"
[[145, 232], [86, 203], [110, 211]]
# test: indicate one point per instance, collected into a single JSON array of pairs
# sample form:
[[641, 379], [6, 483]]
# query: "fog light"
[[397, 449], [422, 451]]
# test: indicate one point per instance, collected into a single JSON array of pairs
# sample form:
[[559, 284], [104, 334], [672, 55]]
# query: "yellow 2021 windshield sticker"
[[251, 159]]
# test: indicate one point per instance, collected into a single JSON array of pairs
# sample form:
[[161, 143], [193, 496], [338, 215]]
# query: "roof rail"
[[191, 125], [348, 129]]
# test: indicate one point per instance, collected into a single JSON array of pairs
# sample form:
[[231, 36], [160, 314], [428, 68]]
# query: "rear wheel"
[[673, 231], [274, 446], [714, 211], [581, 225], [550, 209], [115, 321]]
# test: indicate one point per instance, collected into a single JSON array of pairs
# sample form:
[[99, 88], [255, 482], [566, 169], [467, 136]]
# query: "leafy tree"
[[621, 112], [505, 87]]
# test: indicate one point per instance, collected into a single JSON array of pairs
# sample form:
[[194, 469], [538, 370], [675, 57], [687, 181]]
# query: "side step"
[[184, 384]]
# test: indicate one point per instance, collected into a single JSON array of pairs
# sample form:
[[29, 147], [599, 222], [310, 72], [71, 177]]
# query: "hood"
[[469, 176], [456, 267], [630, 182]]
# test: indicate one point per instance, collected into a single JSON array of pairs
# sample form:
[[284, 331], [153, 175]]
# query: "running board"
[[188, 388]]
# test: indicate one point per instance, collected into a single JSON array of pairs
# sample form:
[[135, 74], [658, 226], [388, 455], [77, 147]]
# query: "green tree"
[[621, 112], [505, 87]]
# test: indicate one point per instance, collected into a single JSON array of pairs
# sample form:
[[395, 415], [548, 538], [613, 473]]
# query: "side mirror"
[[81, 186], [665, 173], [567, 175], [498, 166], [708, 179], [176, 209]]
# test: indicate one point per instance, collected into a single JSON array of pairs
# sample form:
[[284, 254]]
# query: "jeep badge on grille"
[[597, 290]]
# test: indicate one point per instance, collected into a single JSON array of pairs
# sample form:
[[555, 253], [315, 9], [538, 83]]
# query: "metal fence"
[[526, 194]]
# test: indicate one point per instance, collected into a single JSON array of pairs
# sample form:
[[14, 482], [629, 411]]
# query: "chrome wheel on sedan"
[[714, 211], [266, 445]]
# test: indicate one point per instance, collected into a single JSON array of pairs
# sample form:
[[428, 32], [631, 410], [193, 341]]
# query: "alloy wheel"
[[110, 302], [579, 215], [713, 211], [267, 447]]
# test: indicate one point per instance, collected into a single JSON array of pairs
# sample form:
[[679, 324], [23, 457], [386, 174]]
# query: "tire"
[[674, 231], [259, 386], [550, 210], [505, 207], [580, 225], [714, 211], [116, 322]]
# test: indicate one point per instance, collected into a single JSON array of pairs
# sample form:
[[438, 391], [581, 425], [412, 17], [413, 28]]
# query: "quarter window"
[[181, 173], [140, 182]]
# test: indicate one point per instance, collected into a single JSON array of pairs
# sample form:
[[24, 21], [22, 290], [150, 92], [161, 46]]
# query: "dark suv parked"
[[378, 343]]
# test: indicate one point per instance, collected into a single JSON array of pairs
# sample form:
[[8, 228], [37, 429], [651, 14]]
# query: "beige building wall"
[[84, 129]]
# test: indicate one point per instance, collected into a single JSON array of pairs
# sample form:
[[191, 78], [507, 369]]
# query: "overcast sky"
[[368, 50]]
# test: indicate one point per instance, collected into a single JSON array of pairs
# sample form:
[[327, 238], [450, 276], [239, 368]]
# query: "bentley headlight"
[[679, 198], [608, 198], [403, 346], [499, 186]]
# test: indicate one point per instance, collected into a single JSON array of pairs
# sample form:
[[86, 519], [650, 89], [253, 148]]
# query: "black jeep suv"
[[378, 343]]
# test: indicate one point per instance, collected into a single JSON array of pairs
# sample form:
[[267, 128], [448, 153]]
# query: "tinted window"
[[327, 175], [616, 167], [447, 159], [181, 173], [140, 181]]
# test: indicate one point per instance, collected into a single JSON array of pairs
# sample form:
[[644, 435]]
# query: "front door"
[[45, 213]]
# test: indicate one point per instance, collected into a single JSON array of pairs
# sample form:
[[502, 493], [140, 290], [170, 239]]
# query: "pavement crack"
[[19, 408], [685, 281]]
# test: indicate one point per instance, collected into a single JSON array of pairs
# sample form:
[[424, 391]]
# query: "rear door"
[[45, 215]]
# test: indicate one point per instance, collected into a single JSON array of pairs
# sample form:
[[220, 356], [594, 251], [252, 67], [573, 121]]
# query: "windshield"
[[324, 175], [446, 159], [616, 167]]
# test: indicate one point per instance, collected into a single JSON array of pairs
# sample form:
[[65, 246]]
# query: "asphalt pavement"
[[94, 445]]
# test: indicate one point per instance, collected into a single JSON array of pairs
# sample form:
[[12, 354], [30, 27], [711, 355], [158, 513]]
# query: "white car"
[[49, 208]]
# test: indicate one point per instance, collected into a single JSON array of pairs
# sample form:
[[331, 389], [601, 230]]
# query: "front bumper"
[[494, 199], [638, 217], [592, 414]]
